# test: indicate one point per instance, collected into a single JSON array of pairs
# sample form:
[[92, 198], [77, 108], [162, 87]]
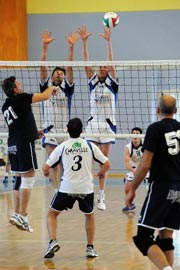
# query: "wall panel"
[[13, 30]]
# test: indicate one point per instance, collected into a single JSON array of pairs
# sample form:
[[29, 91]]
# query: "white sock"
[[167, 268], [101, 191]]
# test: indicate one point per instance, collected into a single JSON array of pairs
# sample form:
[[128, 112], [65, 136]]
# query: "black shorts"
[[161, 208], [22, 155], [64, 201]]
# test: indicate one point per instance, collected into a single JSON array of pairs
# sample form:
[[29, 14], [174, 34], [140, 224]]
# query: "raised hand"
[[72, 38], [82, 32], [107, 34], [46, 37]]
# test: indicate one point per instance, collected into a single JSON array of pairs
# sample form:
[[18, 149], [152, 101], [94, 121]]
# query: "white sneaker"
[[52, 248], [13, 219], [91, 252], [101, 201], [20, 222]]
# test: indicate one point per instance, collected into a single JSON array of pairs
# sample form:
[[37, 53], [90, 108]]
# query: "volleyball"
[[110, 19]]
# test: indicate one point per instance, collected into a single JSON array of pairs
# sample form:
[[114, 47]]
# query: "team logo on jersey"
[[76, 145], [102, 98], [76, 148], [12, 150]]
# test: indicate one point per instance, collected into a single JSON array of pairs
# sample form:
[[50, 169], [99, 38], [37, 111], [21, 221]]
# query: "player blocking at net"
[[56, 110], [103, 88], [22, 133]]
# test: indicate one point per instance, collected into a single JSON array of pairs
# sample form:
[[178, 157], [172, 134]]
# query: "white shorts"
[[104, 127], [130, 176], [54, 141]]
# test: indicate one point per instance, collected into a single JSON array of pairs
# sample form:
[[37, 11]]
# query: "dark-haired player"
[[56, 110], [132, 156], [76, 156], [22, 133], [103, 89]]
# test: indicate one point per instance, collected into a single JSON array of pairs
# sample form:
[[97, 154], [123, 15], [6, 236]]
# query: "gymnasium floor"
[[114, 230]]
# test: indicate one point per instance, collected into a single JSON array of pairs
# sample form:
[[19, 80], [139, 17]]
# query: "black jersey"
[[19, 117], [163, 139]]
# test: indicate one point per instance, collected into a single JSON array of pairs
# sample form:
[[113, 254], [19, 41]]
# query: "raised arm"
[[46, 40], [107, 36], [84, 35], [71, 39], [38, 97]]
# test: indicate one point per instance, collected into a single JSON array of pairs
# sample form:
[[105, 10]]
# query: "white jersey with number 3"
[[76, 156]]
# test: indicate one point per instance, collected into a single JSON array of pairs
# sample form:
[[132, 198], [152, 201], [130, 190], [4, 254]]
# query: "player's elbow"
[[46, 170], [107, 165]]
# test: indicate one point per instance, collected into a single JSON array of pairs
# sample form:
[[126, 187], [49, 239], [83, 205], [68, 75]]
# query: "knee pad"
[[144, 239], [27, 182], [17, 183], [165, 243]]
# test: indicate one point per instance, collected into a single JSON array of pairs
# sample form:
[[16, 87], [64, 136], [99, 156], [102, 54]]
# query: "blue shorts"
[[64, 201], [22, 155]]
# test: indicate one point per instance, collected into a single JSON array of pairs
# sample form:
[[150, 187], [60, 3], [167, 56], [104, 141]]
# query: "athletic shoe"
[[52, 248], [101, 201], [5, 180], [91, 252], [21, 223], [129, 209], [13, 219]]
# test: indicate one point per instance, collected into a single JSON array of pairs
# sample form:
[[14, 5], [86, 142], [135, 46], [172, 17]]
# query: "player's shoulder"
[[128, 145]]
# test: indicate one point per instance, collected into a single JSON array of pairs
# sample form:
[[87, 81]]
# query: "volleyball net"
[[140, 85]]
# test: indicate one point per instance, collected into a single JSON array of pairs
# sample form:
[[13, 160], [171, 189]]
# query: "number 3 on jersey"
[[77, 163]]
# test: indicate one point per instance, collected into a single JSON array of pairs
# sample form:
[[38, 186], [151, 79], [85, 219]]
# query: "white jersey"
[[76, 156], [56, 110], [135, 154], [103, 97]]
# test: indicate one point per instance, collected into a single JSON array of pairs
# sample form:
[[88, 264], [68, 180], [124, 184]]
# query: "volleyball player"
[[22, 133], [103, 87], [56, 111], [132, 156], [161, 208], [76, 155]]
